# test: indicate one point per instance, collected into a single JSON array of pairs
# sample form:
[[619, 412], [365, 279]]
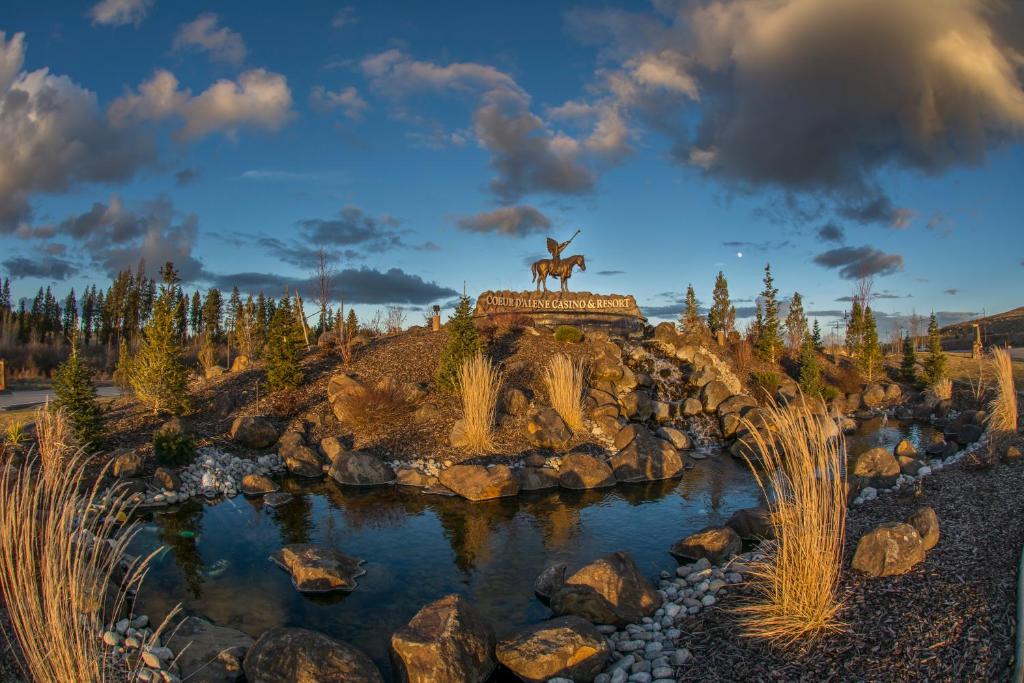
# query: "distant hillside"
[[1000, 329]]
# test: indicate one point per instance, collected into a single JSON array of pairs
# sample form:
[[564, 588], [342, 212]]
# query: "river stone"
[[128, 464], [691, 407], [731, 424], [889, 549], [713, 394], [302, 461], [752, 523], [610, 590], [876, 467], [358, 468], [646, 459], [968, 434], [207, 653], [567, 647], [537, 478], [626, 434], [318, 569], [582, 471], [909, 466], [408, 476], [277, 499], [298, 655], [926, 522], [291, 438], [331, 447], [166, 479], [736, 404], [905, 449], [253, 432], [545, 428], [873, 396], [446, 642], [717, 544], [678, 438], [513, 401], [476, 482], [258, 484], [638, 405], [550, 580]]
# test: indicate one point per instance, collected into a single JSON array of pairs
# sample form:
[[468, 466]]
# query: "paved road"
[[31, 397]]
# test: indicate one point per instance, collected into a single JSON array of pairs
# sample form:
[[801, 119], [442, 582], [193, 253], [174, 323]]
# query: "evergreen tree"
[[158, 374], [691, 323], [819, 344], [75, 393], [935, 363], [722, 316], [810, 369], [351, 324], [181, 316], [796, 323], [69, 322], [908, 365], [213, 309], [88, 314], [463, 342], [754, 329], [869, 355], [5, 297], [234, 310], [769, 339], [123, 371], [283, 349], [195, 315], [855, 327]]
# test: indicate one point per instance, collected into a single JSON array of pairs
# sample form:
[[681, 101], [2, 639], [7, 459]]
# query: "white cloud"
[[346, 16], [202, 35], [348, 100], [120, 12], [396, 74]]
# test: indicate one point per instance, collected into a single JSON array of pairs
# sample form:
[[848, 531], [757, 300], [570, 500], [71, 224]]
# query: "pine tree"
[[754, 329], [691, 323], [796, 323], [869, 354], [76, 394], [855, 327], [908, 365], [722, 316], [935, 363], [819, 344], [213, 308], [69, 323], [351, 324], [769, 340], [123, 371], [810, 369], [158, 374], [463, 342], [283, 349], [195, 315]]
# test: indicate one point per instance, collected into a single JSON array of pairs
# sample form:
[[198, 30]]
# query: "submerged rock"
[[277, 499], [550, 580], [476, 482], [610, 590], [446, 642], [317, 569], [298, 655], [717, 544], [568, 647], [207, 653], [889, 549]]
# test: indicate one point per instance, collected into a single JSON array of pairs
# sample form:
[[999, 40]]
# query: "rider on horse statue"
[[556, 249], [557, 267]]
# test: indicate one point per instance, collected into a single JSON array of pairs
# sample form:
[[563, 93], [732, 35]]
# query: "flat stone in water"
[[278, 498], [317, 569]]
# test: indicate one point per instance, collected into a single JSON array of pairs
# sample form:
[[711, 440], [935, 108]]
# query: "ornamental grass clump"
[[563, 378], [479, 382], [55, 439], [800, 472], [1002, 417], [61, 569]]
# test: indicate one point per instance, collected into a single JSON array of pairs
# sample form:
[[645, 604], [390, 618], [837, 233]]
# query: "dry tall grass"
[[1002, 417], [800, 472], [62, 572], [942, 390], [479, 384], [54, 438], [563, 378]]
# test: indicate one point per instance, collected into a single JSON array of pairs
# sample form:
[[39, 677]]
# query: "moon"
[[739, 254]]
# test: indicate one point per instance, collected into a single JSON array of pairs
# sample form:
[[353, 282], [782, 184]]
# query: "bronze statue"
[[556, 266]]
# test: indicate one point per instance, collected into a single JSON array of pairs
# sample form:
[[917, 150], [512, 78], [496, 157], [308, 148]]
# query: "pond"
[[421, 547]]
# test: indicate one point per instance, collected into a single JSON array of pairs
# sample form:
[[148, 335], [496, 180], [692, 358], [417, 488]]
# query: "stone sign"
[[562, 308]]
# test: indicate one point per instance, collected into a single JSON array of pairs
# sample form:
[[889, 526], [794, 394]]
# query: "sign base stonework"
[[581, 309]]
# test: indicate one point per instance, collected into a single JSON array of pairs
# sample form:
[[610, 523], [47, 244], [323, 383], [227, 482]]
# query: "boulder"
[[646, 458], [663, 411], [545, 428], [550, 580], [513, 401], [968, 434], [258, 485], [691, 407], [318, 569], [713, 394], [638, 405], [344, 385], [752, 523], [626, 434], [717, 544], [302, 461], [407, 476], [331, 447], [893, 393], [889, 549], [679, 439], [537, 478], [581, 471], [166, 479], [358, 468], [240, 364], [905, 449], [909, 466], [610, 590], [686, 353], [253, 432], [876, 467], [476, 482], [128, 464], [206, 653], [446, 642], [213, 371], [731, 424], [565, 647], [926, 523], [291, 438], [457, 437], [298, 655], [1012, 453], [736, 404], [873, 396]]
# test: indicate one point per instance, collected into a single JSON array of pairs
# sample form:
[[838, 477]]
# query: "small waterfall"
[[704, 431]]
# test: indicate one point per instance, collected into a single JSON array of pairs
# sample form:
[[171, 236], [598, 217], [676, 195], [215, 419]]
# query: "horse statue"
[[562, 270]]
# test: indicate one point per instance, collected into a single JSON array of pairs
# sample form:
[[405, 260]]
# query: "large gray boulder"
[[253, 432], [302, 461], [565, 647], [713, 394], [206, 653], [318, 569], [446, 642], [926, 523], [646, 458], [610, 590], [582, 471], [545, 428], [736, 404], [476, 482], [359, 468], [298, 655], [717, 544], [876, 467], [889, 549], [752, 523], [537, 478]]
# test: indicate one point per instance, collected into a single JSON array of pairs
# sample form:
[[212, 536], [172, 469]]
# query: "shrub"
[[767, 381], [381, 404], [76, 395], [563, 378], [172, 448], [1002, 410], [800, 473], [568, 333], [810, 369], [935, 361], [463, 343], [479, 383], [830, 393]]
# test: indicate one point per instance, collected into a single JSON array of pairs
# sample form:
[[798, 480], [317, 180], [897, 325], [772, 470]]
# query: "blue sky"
[[427, 145]]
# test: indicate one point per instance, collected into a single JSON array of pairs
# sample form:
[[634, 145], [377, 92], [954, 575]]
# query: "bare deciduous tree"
[[395, 321], [325, 275]]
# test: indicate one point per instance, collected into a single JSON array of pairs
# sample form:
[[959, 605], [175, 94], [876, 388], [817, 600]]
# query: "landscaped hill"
[[998, 329]]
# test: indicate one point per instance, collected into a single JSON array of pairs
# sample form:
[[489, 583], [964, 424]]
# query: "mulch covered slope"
[[951, 618]]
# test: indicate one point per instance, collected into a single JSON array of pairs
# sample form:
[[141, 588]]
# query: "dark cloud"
[[302, 254], [185, 176], [353, 228], [767, 245], [830, 232], [669, 311], [826, 313], [951, 291], [509, 220], [55, 248], [45, 267], [610, 272], [858, 262]]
